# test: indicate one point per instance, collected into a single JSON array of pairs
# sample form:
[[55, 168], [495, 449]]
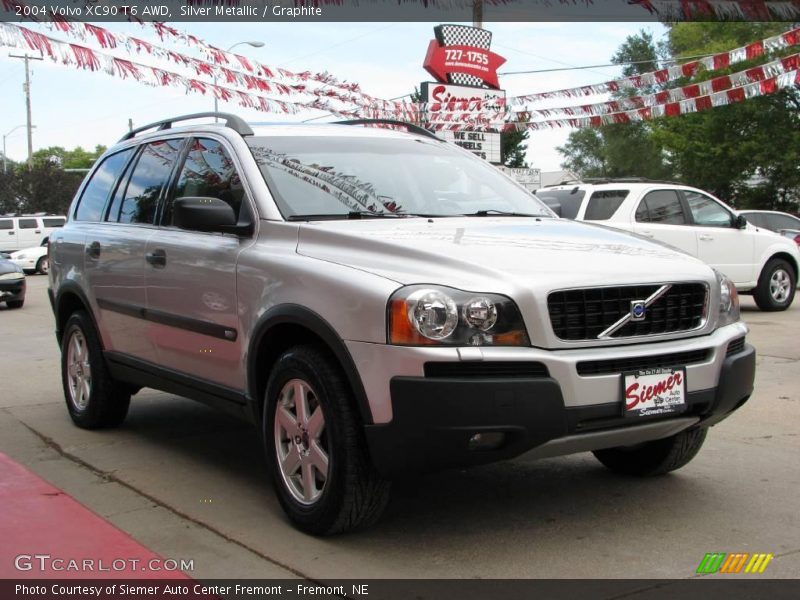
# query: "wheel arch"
[[782, 256], [70, 298], [285, 326]]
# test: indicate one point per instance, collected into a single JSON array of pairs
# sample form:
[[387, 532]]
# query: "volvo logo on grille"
[[638, 310]]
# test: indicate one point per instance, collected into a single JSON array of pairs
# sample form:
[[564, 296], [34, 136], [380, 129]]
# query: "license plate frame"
[[654, 392]]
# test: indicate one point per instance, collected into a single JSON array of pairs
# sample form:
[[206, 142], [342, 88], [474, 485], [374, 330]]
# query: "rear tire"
[[656, 457], [776, 286], [94, 399], [15, 303], [315, 446]]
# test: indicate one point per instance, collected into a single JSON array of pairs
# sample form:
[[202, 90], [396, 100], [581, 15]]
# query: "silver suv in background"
[[380, 302], [757, 261]]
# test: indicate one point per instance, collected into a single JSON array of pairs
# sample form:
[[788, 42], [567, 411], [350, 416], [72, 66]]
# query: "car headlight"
[[13, 275], [423, 315], [19, 256], [728, 301]]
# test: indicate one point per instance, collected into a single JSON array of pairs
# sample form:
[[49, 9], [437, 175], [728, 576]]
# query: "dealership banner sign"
[[483, 144]]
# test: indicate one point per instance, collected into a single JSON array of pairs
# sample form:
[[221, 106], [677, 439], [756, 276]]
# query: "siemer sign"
[[444, 97]]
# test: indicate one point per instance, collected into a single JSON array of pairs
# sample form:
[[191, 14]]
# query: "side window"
[[28, 223], [51, 222], [95, 194], [706, 212], [661, 206], [6, 224], [208, 172], [150, 176], [602, 205]]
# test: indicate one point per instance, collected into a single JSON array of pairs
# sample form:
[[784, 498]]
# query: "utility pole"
[[27, 89], [477, 13]]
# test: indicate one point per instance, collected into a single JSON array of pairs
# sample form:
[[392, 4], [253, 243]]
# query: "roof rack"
[[598, 180], [232, 121], [410, 127]]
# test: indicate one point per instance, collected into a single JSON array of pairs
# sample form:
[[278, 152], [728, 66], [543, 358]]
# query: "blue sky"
[[72, 107]]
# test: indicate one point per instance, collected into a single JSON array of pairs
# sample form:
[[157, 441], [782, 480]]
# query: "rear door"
[[115, 245], [191, 275], [719, 242], [29, 232], [662, 216]]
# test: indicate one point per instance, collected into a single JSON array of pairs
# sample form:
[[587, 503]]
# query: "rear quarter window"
[[53, 222], [603, 204]]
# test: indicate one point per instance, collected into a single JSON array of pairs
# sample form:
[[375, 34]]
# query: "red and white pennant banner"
[[68, 54], [722, 10], [711, 63], [765, 87], [703, 88]]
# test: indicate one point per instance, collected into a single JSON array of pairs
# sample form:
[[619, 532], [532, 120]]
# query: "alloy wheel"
[[79, 371], [780, 285]]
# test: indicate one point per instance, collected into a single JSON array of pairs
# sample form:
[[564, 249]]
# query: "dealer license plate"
[[653, 392]]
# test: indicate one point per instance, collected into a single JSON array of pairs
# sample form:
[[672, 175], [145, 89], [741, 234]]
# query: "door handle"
[[38, 231], [706, 238], [646, 233], [157, 258], [93, 250], [10, 233]]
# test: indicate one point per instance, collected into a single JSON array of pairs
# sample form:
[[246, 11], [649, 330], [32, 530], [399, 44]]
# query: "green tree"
[[77, 158], [625, 149], [746, 153], [45, 187], [513, 148]]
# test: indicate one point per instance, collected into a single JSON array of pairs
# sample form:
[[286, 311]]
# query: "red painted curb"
[[46, 533]]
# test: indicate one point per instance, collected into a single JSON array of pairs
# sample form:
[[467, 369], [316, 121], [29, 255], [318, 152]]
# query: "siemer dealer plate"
[[654, 392]]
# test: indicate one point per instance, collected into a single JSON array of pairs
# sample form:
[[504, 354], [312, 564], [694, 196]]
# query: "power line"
[[622, 64]]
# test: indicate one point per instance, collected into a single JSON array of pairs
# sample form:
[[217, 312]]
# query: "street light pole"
[[254, 44], [5, 170]]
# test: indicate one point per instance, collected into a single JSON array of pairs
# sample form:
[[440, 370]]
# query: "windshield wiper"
[[354, 214], [500, 213]]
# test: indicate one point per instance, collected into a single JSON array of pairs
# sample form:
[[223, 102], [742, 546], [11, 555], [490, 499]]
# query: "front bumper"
[[12, 289], [27, 264], [433, 419]]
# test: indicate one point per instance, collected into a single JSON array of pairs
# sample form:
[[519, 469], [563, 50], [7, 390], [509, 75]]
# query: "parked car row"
[[26, 231], [785, 224], [758, 261]]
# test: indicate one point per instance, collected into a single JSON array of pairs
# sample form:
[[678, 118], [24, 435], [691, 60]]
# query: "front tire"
[[94, 399], [315, 446], [43, 265], [656, 457], [15, 303], [776, 286]]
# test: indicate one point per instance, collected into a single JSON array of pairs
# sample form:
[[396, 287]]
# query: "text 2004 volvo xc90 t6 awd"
[[381, 302]]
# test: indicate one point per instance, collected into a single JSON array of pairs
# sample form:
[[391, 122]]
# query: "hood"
[[497, 254], [6, 266]]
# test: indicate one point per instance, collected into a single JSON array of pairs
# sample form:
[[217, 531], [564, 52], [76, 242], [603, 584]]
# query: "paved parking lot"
[[189, 482]]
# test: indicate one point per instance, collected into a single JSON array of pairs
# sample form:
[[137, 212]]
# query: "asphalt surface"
[[189, 482]]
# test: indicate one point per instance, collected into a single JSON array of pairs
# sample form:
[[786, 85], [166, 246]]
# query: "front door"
[[191, 276], [720, 243]]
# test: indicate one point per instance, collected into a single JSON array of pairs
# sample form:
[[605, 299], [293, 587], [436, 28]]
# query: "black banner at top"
[[399, 10]]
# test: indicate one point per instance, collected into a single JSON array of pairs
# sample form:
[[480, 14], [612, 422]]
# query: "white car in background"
[[759, 262], [32, 260]]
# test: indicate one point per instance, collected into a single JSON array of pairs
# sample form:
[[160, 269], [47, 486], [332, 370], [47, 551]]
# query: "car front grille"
[[636, 363], [584, 314]]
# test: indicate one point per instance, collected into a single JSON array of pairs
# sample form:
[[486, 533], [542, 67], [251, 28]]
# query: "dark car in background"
[[780, 222], [12, 284]]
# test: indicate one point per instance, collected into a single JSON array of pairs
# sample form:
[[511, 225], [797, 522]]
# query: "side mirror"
[[206, 214], [740, 222]]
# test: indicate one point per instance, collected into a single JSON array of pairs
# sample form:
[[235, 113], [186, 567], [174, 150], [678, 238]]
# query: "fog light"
[[487, 441]]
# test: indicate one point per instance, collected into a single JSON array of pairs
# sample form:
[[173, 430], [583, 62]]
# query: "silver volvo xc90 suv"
[[381, 302]]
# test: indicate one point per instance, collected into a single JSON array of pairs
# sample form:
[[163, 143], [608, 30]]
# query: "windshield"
[[337, 176]]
